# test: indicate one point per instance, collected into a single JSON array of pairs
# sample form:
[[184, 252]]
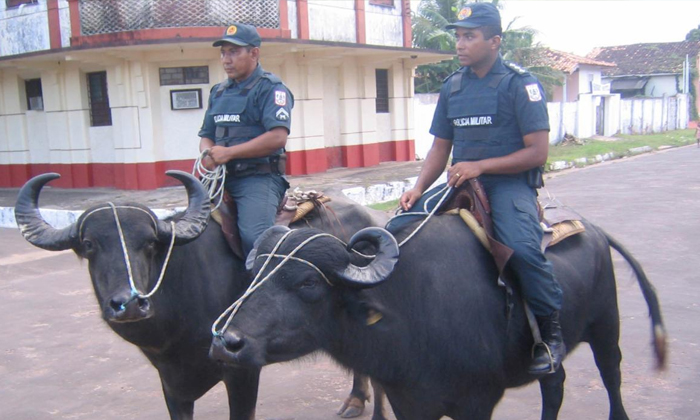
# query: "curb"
[[372, 194]]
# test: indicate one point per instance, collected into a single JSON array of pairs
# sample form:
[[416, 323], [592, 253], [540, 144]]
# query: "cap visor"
[[468, 25], [229, 41]]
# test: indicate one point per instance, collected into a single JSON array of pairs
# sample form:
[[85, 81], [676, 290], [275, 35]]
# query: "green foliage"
[[693, 35], [591, 148]]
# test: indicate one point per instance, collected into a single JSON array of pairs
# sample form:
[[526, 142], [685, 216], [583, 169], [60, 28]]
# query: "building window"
[[382, 90], [389, 3], [17, 3], [35, 99], [100, 113], [184, 76]]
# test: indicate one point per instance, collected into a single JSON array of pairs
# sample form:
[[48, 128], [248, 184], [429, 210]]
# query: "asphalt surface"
[[58, 360]]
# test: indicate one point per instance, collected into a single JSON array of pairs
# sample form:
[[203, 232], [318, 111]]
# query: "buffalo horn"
[[381, 266], [33, 227], [194, 220]]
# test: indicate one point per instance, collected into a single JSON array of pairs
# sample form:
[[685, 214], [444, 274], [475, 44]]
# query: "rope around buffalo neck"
[[135, 293], [213, 181], [257, 281]]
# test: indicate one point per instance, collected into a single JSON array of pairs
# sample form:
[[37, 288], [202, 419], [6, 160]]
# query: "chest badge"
[[533, 92]]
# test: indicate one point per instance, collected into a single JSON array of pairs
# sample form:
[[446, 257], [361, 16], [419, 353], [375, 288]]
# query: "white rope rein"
[[232, 310], [134, 290], [445, 192], [257, 281], [213, 181]]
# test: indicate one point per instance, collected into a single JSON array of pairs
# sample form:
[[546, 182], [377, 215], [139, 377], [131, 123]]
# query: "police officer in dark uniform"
[[492, 116], [246, 127]]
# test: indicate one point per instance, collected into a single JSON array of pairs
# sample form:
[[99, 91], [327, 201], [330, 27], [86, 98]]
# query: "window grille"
[[382, 76], [35, 98], [184, 76], [109, 16], [389, 3], [100, 112], [17, 3]]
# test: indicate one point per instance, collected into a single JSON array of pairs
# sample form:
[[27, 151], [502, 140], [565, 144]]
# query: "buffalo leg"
[[354, 404], [379, 412], [608, 356], [178, 409], [242, 389], [552, 390]]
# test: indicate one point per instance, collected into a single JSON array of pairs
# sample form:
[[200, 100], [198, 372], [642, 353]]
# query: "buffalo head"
[[308, 279], [125, 245]]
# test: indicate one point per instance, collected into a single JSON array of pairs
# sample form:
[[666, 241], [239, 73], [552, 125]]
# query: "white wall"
[[627, 116], [24, 29], [383, 25], [659, 86], [332, 20]]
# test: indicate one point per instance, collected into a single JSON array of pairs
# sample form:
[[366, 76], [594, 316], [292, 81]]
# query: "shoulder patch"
[[280, 97], [533, 92], [516, 68]]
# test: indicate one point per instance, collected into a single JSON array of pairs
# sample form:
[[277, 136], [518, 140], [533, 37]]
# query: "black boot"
[[547, 357]]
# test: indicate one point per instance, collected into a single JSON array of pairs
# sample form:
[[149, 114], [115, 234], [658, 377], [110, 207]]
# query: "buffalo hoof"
[[352, 407]]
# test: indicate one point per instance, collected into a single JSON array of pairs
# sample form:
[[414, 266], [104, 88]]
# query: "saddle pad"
[[565, 229], [558, 231], [303, 208]]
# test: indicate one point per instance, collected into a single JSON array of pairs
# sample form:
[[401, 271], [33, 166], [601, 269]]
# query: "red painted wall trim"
[[151, 175], [360, 21], [208, 33], [303, 19], [74, 8], [54, 24], [406, 20], [284, 15]]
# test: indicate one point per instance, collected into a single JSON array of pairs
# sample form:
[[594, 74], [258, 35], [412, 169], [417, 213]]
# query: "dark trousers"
[[516, 224], [257, 198]]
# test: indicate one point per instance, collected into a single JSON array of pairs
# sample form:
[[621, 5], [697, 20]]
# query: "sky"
[[578, 26]]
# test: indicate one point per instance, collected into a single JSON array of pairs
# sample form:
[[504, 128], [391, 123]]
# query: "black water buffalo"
[[436, 334], [173, 326]]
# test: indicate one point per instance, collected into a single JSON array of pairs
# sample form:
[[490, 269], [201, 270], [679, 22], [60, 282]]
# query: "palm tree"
[[429, 32]]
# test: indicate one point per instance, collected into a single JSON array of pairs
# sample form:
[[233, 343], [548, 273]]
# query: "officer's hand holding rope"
[[213, 180]]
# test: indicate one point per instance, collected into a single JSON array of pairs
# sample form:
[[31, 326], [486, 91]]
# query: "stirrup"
[[549, 353]]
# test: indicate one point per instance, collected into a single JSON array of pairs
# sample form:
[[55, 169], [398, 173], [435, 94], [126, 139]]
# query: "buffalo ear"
[[361, 309]]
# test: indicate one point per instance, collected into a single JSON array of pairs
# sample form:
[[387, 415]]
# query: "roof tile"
[[650, 58]]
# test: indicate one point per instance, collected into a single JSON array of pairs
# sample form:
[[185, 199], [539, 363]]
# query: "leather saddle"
[[471, 203], [294, 206]]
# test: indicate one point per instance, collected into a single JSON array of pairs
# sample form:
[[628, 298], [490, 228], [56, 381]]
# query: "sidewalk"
[[61, 206]]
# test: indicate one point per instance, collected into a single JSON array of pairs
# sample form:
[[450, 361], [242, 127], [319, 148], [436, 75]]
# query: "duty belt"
[[276, 165]]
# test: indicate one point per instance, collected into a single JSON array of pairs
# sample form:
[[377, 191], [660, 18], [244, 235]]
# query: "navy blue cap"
[[476, 15], [240, 34]]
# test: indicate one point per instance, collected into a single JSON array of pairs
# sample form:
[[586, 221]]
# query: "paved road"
[[58, 360]]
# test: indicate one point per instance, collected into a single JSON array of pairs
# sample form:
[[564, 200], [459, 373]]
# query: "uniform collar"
[[254, 75], [497, 68]]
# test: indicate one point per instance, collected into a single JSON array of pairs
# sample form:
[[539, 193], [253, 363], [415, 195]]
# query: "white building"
[[111, 93]]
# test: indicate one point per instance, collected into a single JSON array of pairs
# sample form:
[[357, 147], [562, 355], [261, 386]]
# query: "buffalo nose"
[[118, 303], [233, 341]]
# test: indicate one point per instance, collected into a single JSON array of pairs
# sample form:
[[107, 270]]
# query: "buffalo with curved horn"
[[148, 273], [444, 343]]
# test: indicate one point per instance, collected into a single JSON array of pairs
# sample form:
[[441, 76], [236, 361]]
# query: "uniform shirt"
[[488, 117], [248, 108]]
